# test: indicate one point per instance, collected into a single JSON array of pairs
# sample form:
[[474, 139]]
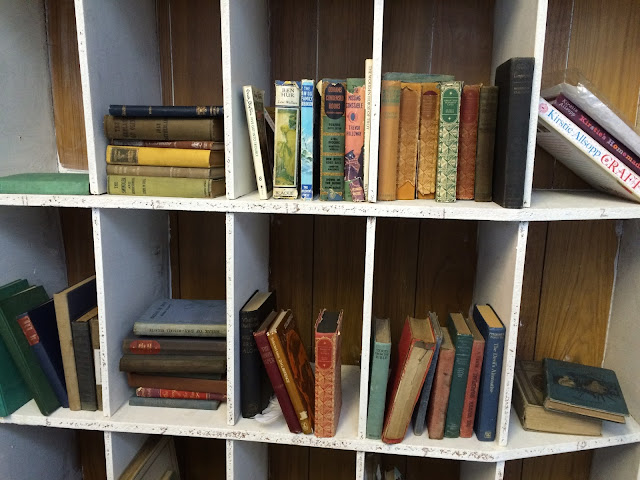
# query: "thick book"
[[275, 377], [463, 341], [291, 357], [437, 408], [164, 157], [487, 111], [378, 376], [332, 124], [165, 186], [173, 363], [309, 145], [197, 144], [156, 460], [166, 111], [143, 345], [208, 383], [514, 81], [183, 318], [19, 347], [85, 366], [262, 158], [493, 331], [368, 104], [448, 132], [415, 352], [354, 140], [166, 393], [46, 183], [175, 172], [255, 388], [136, 401], [528, 397], [428, 141], [468, 142], [164, 128], [94, 328], [388, 149], [420, 412], [584, 390], [473, 381], [408, 135], [328, 378], [286, 149]]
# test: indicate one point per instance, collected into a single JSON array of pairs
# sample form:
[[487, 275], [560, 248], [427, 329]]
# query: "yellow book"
[[165, 157], [165, 186]]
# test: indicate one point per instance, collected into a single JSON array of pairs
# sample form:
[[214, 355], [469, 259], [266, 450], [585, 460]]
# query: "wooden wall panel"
[[437, 468], [91, 453], [326, 464], [77, 234], [568, 466], [288, 461], [201, 458]]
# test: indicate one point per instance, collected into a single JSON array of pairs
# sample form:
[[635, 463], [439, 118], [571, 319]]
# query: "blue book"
[[378, 376], [165, 111], [309, 109], [493, 331], [420, 412], [174, 403]]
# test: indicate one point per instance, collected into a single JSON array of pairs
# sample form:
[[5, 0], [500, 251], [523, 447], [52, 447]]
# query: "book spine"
[[161, 157], [332, 114], [448, 130], [166, 393], [458, 386], [368, 78], [250, 95], [328, 391], [174, 346], [437, 409], [165, 111], [163, 128], [428, 149], [250, 378], [471, 392], [489, 389], [174, 403], [420, 413], [379, 378], [173, 363], [354, 140], [177, 383], [306, 139], [188, 144], [468, 142], [164, 187], [408, 135], [174, 172], [66, 348], [84, 365], [94, 327], [487, 110], [389, 125], [286, 137]]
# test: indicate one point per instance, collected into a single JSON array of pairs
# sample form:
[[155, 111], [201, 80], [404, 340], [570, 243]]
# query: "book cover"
[[493, 331], [428, 141], [165, 186], [448, 131], [473, 381], [463, 341], [468, 142], [85, 366], [332, 124], [175, 172], [164, 157], [354, 140], [388, 149], [166, 111], [46, 183], [328, 378], [188, 318], [164, 128], [173, 363], [584, 390], [309, 146], [368, 103], [208, 383], [437, 408], [166, 393], [286, 137], [94, 328], [136, 401], [379, 376], [144, 345], [420, 412], [197, 144], [487, 111], [262, 159], [408, 135], [514, 81]]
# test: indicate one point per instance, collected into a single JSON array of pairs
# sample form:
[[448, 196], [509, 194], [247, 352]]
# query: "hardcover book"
[[197, 144], [188, 318], [94, 328], [309, 146], [332, 124], [208, 383], [85, 366], [286, 136], [420, 412], [417, 77], [428, 141], [473, 381], [408, 134], [354, 140], [328, 385], [262, 155], [183, 394], [136, 401], [174, 346], [173, 363], [166, 111], [448, 130], [487, 111], [437, 408], [165, 186], [463, 341], [46, 183], [175, 172], [468, 142], [388, 149], [379, 376], [164, 157], [368, 103], [156, 457], [164, 128]]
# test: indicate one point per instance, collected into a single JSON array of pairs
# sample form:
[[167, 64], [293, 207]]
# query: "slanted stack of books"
[[176, 356], [168, 151]]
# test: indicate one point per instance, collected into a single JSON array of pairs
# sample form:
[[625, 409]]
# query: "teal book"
[[583, 390], [463, 341], [378, 376], [46, 183], [174, 403]]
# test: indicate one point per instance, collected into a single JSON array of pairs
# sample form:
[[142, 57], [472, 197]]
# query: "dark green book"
[[46, 183], [584, 390], [463, 341]]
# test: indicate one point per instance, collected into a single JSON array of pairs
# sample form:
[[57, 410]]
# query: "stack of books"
[[165, 151], [176, 356]]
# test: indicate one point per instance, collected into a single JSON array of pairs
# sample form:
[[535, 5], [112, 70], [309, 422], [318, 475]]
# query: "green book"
[[20, 350], [448, 132], [378, 376], [46, 183], [462, 341], [165, 186], [332, 108]]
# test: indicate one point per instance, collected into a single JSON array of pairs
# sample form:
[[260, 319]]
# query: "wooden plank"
[[163, 12], [288, 461], [327, 464], [200, 458], [92, 457], [567, 466], [513, 470], [437, 468], [77, 233]]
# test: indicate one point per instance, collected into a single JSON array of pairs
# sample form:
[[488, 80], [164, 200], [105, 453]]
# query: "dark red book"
[[182, 394], [466, 181], [191, 383], [328, 388], [473, 381]]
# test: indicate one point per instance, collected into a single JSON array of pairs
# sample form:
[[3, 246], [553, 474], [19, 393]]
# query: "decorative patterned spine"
[[286, 135], [328, 388], [448, 141]]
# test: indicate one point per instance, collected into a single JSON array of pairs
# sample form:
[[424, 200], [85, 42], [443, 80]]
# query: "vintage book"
[[262, 157], [85, 365], [207, 383], [18, 346], [437, 408], [468, 142], [166, 111], [417, 77], [176, 172], [493, 332], [164, 128], [473, 381], [174, 403], [388, 149], [428, 141], [487, 111], [583, 390], [156, 457], [275, 377], [368, 104], [70, 304], [291, 357], [94, 328], [197, 144], [46, 183], [165, 186], [514, 81], [420, 412], [164, 157], [448, 131], [408, 135], [174, 346], [415, 352], [255, 388], [576, 150], [286, 148], [332, 123], [328, 385], [528, 396], [173, 363], [166, 393], [309, 145], [463, 341], [183, 318], [379, 375], [354, 140]]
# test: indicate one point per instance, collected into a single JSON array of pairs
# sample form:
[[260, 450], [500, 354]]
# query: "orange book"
[[328, 391], [388, 152], [437, 409], [468, 142], [473, 381], [428, 150], [408, 133]]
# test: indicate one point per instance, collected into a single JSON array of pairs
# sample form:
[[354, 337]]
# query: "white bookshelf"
[[119, 63]]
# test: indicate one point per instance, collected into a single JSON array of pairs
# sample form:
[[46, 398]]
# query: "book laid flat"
[[368, 102], [487, 111], [156, 457], [332, 124], [473, 381], [207, 383], [173, 363], [85, 365], [164, 128], [166, 393], [428, 147], [255, 388], [583, 390], [174, 346], [94, 329], [408, 134], [176, 172], [166, 111], [354, 140], [463, 341], [379, 376], [514, 81], [286, 149], [437, 408], [136, 401], [528, 398], [46, 183], [291, 357], [415, 352], [389, 125], [448, 131], [468, 142], [309, 147], [420, 412], [328, 378], [275, 377], [188, 318], [493, 331], [262, 158], [164, 157], [165, 186], [197, 144]]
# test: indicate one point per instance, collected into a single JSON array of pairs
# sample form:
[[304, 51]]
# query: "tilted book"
[[463, 341], [354, 140], [166, 111], [332, 123], [165, 186], [262, 158], [164, 128], [420, 412], [286, 150], [437, 408], [328, 388], [173, 363], [388, 153], [164, 157], [189, 318], [153, 171], [487, 111], [85, 366], [309, 145], [408, 134], [473, 381], [368, 103], [468, 142], [448, 130], [428, 141], [378, 376]]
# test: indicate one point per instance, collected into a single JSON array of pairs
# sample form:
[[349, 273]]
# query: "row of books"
[[47, 348]]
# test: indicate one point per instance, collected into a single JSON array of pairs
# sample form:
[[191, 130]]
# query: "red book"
[[415, 351], [468, 142], [166, 393], [328, 391], [473, 381], [275, 377], [437, 410], [186, 382]]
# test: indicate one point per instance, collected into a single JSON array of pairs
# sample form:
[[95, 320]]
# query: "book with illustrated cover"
[[286, 134], [332, 124], [354, 140], [189, 318], [262, 154], [309, 147], [368, 103]]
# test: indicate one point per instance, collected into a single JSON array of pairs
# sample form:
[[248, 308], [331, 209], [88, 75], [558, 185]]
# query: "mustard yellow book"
[[165, 186], [164, 157]]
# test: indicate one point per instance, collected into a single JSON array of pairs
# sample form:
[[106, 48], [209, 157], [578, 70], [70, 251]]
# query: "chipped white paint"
[[374, 142], [360, 466]]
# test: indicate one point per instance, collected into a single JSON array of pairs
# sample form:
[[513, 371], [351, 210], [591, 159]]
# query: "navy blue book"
[[492, 329], [165, 111]]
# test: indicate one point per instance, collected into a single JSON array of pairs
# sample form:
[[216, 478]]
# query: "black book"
[[85, 366]]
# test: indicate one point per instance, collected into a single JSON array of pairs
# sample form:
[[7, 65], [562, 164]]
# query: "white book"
[[184, 318], [254, 108], [368, 102]]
